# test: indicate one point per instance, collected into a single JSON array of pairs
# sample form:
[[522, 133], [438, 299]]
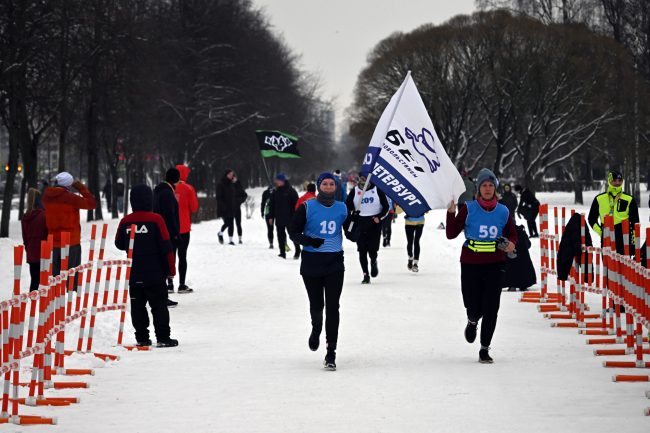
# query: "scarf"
[[487, 204], [325, 199]]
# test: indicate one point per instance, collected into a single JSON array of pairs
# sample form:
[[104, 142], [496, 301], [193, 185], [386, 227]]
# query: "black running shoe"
[[171, 304], [374, 269], [470, 331], [184, 289], [330, 360], [282, 256], [170, 342], [144, 343], [366, 279], [231, 243], [270, 246], [170, 286], [385, 243], [314, 340], [484, 356], [240, 241], [296, 256], [415, 267], [409, 265], [220, 236]]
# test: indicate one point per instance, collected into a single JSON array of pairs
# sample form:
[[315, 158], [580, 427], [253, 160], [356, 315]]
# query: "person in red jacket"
[[309, 195], [34, 231], [490, 233], [188, 204], [62, 207]]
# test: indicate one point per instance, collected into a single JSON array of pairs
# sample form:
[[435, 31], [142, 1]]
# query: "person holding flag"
[[317, 225], [490, 233], [371, 206]]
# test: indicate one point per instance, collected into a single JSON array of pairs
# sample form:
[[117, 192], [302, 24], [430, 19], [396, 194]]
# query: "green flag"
[[277, 143]]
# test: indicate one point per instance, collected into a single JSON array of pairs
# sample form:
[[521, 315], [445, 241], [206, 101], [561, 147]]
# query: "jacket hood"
[[55, 191], [141, 198], [184, 171]]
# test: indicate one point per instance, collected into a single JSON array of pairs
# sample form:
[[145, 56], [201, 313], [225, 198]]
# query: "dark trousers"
[[481, 287], [229, 223], [387, 227], [368, 245], [282, 240], [74, 260], [156, 296], [35, 275], [181, 249], [325, 292], [413, 235], [269, 231], [532, 225]]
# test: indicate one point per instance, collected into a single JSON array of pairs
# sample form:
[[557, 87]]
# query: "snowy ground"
[[403, 366]]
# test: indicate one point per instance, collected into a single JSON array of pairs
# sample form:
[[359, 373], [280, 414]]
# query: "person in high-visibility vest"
[[616, 203]]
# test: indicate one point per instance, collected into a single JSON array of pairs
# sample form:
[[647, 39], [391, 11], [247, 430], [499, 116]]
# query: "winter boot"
[[470, 331], [484, 356], [170, 342], [144, 343]]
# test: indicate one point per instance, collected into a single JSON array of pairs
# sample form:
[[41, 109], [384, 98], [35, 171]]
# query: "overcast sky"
[[334, 36]]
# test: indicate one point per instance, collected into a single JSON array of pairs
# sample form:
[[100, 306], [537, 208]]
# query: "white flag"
[[406, 158]]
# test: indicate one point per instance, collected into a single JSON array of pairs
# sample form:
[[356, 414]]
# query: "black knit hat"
[[173, 176], [141, 198]]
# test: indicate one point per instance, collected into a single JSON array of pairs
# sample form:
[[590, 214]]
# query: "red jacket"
[[62, 212], [188, 203], [34, 231], [305, 197]]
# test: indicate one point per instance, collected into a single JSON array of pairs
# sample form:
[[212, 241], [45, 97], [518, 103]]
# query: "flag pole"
[[266, 169]]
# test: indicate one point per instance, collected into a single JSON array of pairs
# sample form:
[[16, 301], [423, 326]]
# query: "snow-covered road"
[[403, 366]]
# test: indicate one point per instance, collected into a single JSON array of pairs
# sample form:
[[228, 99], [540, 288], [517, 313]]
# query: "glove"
[[78, 185], [316, 242]]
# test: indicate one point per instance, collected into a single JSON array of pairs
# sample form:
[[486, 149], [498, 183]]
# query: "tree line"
[[130, 88], [534, 99]]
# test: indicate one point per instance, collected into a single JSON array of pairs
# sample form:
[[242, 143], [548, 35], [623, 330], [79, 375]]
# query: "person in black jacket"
[[153, 262], [509, 200], [266, 202], [528, 209], [371, 209], [166, 205], [281, 209], [230, 196]]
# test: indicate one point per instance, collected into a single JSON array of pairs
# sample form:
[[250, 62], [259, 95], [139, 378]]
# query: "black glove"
[[316, 242]]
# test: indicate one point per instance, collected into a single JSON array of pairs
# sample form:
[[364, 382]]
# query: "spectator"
[[62, 208], [519, 271], [166, 205], [153, 262], [34, 231], [309, 195], [119, 192], [528, 209], [509, 199], [188, 204], [230, 196], [281, 210], [341, 186], [266, 209]]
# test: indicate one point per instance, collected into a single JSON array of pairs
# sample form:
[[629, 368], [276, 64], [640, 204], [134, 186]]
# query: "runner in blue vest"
[[317, 225], [485, 223]]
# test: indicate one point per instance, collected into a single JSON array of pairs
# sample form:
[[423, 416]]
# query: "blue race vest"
[[482, 225], [325, 223]]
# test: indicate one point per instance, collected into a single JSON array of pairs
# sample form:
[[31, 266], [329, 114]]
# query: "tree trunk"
[[92, 120], [577, 184]]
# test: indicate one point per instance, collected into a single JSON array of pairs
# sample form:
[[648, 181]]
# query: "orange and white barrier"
[[40, 337], [620, 280]]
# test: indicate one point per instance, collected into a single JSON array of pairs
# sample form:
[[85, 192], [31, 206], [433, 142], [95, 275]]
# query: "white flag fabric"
[[406, 158]]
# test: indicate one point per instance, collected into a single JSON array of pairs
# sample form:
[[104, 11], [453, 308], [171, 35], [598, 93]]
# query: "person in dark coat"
[[153, 262], [519, 271], [106, 193], [230, 196], [265, 209], [119, 192], [528, 209], [571, 247], [34, 231], [166, 205], [509, 200], [281, 209]]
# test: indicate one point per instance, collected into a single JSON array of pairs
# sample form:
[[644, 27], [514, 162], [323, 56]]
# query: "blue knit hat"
[[486, 175], [323, 176], [281, 176]]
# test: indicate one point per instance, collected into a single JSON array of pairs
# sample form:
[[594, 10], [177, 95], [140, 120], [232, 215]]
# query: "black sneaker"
[[470, 331], [415, 267], [374, 269], [296, 256], [314, 340], [231, 243], [184, 289], [366, 279], [330, 360], [144, 343], [409, 265], [282, 256], [220, 236], [385, 243], [170, 286], [270, 246], [484, 356], [170, 342], [171, 304], [240, 241]]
